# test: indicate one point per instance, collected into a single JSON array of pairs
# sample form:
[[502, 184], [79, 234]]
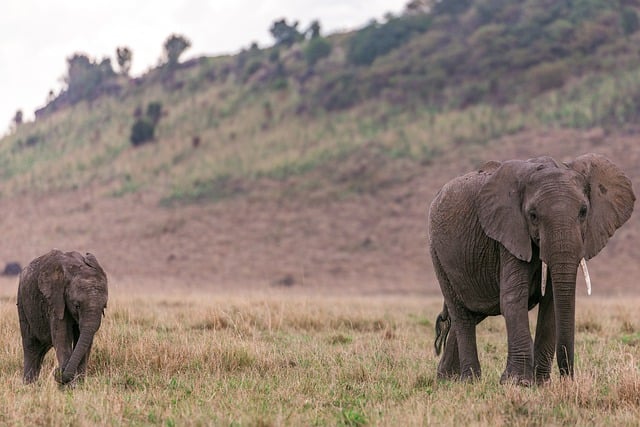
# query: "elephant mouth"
[[585, 271]]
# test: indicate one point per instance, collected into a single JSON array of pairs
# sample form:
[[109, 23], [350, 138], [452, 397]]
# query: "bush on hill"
[[143, 129]]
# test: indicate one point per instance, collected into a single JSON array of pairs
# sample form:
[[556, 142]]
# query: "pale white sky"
[[37, 36]]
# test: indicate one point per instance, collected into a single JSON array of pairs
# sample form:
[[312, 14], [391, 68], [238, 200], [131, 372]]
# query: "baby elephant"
[[61, 301]]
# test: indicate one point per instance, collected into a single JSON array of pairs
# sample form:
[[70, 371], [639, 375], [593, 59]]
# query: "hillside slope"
[[268, 170], [412, 87], [368, 243]]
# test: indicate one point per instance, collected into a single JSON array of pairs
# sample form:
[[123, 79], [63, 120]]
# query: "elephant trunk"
[[585, 271], [563, 278], [80, 350]]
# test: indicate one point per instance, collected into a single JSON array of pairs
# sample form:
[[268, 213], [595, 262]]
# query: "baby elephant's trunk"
[[443, 324], [80, 351]]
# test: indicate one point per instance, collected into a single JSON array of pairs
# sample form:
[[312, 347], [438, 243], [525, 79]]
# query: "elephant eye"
[[533, 216], [583, 212]]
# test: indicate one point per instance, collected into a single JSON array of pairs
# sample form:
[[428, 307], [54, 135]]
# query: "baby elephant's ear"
[[92, 262], [51, 283]]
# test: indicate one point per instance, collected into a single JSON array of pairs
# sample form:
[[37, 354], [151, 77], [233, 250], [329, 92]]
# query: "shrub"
[[154, 112], [31, 140], [339, 92], [378, 39], [592, 34], [279, 83], [142, 131], [274, 55], [251, 68], [548, 76], [630, 22], [317, 49]]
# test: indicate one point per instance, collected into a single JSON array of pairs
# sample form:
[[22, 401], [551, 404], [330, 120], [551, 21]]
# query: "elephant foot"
[[58, 375], [448, 376], [542, 379], [516, 379], [470, 375]]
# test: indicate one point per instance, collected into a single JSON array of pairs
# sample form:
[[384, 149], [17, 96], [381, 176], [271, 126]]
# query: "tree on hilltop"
[[124, 56], [17, 118], [285, 34], [313, 32], [85, 76], [174, 46]]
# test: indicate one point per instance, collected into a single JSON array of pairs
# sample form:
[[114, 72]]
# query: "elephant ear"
[[52, 283], [90, 260], [499, 206], [610, 196]]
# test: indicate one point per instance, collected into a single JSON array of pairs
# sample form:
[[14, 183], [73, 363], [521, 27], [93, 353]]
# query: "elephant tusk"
[[543, 285], [583, 264]]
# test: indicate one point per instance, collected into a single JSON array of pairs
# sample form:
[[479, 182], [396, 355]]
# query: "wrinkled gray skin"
[[61, 301], [489, 232]]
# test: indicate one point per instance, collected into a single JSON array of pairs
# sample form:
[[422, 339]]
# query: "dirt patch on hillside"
[[369, 243]]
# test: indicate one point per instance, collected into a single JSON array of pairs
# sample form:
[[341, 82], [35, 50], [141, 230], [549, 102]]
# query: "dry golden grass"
[[304, 360]]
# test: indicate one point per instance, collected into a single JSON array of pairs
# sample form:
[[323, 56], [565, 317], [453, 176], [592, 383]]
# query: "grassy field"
[[302, 360]]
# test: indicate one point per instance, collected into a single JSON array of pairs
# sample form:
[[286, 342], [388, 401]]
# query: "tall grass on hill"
[[286, 360], [249, 135], [611, 101]]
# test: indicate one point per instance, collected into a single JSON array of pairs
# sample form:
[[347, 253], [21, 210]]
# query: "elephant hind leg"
[[449, 366], [465, 326], [443, 325], [460, 353]]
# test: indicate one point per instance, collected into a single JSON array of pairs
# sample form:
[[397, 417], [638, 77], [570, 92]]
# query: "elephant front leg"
[[62, 333], [34, 353], [514, 296], [544, 345], [520, 355]]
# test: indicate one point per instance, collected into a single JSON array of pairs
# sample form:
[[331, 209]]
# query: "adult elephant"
[[61, 301], [496, 233]]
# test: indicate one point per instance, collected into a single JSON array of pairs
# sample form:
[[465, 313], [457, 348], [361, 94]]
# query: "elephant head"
[[567, 211], [76, 286]]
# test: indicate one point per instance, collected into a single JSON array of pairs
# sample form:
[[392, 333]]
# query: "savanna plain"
[[284, 310], [281, 359], [270, 311], [267, 250]]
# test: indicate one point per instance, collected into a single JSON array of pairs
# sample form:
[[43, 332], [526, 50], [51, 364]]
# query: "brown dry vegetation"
[[276, 359]]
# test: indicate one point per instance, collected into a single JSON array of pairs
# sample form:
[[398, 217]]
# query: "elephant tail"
[[443, 324]]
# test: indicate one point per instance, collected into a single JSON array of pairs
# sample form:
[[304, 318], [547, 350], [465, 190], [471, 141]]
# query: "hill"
[[268, 169]]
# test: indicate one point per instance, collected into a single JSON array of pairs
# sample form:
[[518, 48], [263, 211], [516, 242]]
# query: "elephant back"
[[457, 193]]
